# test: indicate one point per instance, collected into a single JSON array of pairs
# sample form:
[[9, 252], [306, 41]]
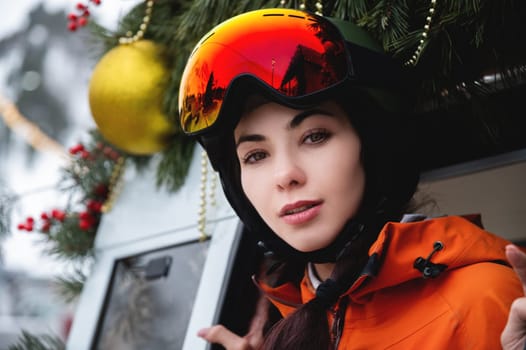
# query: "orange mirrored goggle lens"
[[291, 52]]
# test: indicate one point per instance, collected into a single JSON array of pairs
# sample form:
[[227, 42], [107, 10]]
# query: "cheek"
[[252, 188], [349, 176], [358, 181], [245, 185]]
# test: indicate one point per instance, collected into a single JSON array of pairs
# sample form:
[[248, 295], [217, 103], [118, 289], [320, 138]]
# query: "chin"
[[308, 249]]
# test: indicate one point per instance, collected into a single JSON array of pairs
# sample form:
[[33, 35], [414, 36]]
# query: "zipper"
[[338, 314]]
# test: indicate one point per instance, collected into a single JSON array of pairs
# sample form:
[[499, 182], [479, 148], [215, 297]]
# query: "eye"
[[316, 136], [253, 157]]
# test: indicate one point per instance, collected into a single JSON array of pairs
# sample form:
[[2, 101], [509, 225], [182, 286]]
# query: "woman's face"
[[301, 170]]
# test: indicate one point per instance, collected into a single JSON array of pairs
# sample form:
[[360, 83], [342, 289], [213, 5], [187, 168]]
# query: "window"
[[151, 299]]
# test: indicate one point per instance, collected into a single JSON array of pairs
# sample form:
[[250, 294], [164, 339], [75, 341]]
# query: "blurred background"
[[44, 71]]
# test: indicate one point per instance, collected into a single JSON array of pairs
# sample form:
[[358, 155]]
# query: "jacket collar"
[[393, 255]]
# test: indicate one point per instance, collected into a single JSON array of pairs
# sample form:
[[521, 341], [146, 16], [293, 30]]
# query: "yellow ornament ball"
[[125, 97]]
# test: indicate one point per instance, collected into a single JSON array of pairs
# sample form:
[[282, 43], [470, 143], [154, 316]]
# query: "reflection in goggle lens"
[[305, 55]]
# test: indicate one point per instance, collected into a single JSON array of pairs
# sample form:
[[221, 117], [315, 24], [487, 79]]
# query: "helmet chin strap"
[[339, 248]]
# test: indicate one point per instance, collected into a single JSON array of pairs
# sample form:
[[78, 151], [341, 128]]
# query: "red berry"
[[107, 151], [77, 148], [85, 154], [85, 224], [21, 227], [85, 13], [82, 21], [72, 26], [72, 17], [45, 228], [85, 216], [58, 214], [44, 216], [115, 155], [81, 6], [101, 190], [30, 220], [96, 2], [94, 206]]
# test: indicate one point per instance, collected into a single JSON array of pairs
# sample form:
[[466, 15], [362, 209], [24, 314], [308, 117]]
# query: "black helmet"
[[300, 59]]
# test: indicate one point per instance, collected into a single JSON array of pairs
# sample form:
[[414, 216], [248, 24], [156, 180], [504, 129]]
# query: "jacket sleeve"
[[480, 297]]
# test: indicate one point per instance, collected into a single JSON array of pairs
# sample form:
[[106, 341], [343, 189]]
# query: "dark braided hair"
[[307, 328]]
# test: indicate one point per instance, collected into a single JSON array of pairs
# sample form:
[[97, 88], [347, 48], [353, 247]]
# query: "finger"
[[254, 339], [517, 260], [255, 331], [221, 335], [513, 336]]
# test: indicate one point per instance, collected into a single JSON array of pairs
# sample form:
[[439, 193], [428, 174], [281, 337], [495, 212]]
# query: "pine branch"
[[71, 286], [387, 22], [87, 180], [28, 341], [350, 9], [460, 45], [175, 163], [69, 241], [7, 200]]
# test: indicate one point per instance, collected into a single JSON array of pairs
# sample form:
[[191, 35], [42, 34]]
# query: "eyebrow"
[[295, 122], [300, 117], [249, 138]]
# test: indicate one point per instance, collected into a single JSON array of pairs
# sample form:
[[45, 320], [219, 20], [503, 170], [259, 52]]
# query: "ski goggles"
[[293, 53]]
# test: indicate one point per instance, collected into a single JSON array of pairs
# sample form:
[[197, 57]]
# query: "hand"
[[252, 340], [221, 335], [514, 335]]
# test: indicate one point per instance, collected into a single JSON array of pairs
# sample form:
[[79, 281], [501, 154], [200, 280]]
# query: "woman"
[[302, 117]]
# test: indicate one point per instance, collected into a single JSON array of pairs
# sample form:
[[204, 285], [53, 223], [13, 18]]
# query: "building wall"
[[499, 194]]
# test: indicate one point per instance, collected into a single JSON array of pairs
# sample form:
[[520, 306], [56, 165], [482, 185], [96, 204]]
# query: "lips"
[[297, 207], [300, 212]]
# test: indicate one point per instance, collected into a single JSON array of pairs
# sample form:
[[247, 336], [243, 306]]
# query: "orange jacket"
[[464, 307]]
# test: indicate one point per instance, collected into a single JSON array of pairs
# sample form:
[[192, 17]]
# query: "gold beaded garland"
[[115, 184], [130, 37], [319, 8], [28, 130], [416, 55], [203, 203], [212, 193], [201, 221], [303, 6]]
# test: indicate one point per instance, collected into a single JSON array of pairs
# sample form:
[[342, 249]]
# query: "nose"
[[289, 173]]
